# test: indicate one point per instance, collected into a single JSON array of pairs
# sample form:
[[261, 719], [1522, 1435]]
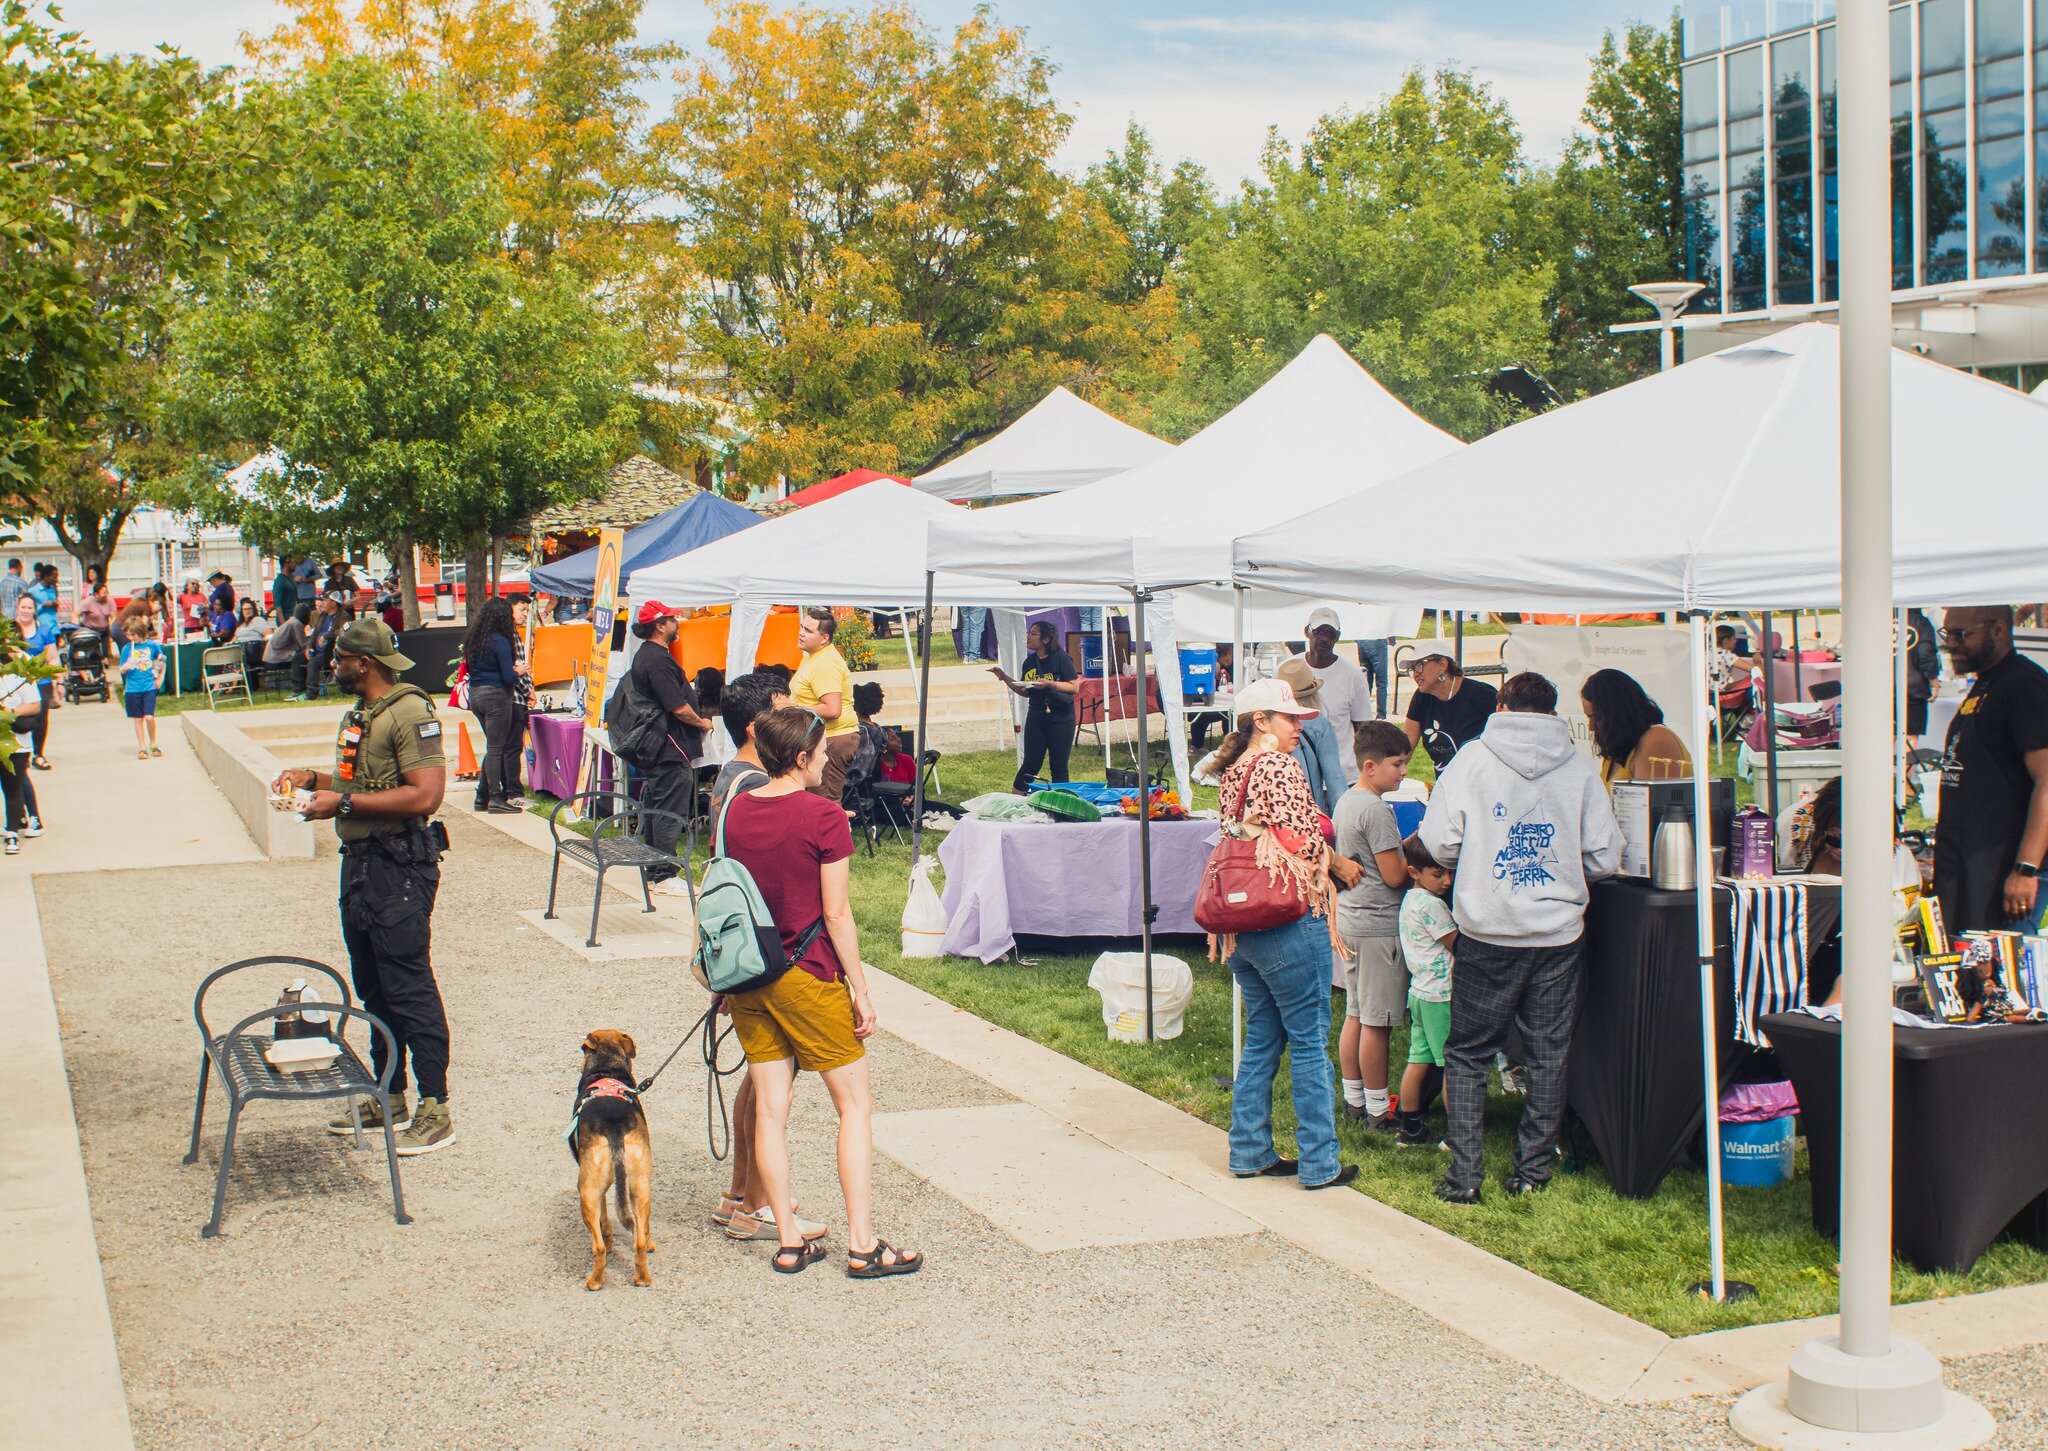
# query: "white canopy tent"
[[1711, 487], [1715, 486], [865, 547], [1319, 429], [1062, 443]]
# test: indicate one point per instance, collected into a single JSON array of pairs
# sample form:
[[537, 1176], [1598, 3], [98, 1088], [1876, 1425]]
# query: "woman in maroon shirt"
[[797, 846]]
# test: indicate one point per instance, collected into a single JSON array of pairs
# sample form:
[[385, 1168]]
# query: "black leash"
[[712, 1038]]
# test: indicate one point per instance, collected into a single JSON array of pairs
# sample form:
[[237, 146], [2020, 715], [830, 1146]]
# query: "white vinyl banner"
[[1655, 655]]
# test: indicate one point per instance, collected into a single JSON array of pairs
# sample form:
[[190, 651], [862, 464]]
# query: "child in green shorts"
[[1429, 935]]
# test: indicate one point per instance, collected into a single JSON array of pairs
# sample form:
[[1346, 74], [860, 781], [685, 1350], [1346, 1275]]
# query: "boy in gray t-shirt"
[[1369, 922]]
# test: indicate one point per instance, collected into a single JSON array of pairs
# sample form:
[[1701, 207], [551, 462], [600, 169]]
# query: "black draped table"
[[1969, 1133], [1634, 1077]]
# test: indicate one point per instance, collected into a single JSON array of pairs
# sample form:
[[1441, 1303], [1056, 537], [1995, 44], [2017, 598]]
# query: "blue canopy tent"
[[691, 524]]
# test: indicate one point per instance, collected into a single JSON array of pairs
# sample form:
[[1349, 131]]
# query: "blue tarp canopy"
[[691, 524]]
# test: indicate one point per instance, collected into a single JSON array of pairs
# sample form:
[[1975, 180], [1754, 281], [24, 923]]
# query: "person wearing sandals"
[[1283, 972], [816, 1016]]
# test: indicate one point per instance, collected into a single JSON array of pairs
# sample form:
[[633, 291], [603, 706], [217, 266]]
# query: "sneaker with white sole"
[[13, 842], [761, 1225], [34, 827], [373, 1116], [431, 1128]]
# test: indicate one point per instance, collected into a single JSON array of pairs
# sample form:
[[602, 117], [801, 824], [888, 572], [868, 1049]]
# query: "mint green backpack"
[[739, 947]]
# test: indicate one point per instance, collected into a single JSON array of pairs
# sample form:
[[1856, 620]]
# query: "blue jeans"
[[1284, 974], [973, 622], [1372, 659]]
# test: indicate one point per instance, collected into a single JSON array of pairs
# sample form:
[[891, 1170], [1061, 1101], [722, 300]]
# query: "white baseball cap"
[[1322, 615], [1272, 696]]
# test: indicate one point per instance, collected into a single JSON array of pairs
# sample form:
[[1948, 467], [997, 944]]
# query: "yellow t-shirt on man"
[[824, 673]]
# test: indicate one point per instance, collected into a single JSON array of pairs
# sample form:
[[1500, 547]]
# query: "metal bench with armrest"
[[237, 1055], [615, 842]]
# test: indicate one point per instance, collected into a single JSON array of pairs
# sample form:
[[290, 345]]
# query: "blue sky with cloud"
[[1207, 77]]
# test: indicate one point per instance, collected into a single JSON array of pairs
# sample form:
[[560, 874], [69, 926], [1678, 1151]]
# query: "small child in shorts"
[[1429, 936], [142, 673], [1368, 922]]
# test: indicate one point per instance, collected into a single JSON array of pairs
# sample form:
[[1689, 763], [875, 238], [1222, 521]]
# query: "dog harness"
[[606, 1087]]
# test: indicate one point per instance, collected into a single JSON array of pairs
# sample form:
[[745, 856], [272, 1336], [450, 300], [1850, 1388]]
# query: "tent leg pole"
[[1770, 733], [1138, 643], [924, 695], [1710, 1029], [1238, 675], [1899, 713]]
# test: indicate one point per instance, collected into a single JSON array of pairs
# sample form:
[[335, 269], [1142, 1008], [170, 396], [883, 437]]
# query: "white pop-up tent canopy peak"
[[1710, 487], [1062, 443]]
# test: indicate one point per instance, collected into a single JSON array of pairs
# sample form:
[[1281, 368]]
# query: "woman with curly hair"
[[495, 694]]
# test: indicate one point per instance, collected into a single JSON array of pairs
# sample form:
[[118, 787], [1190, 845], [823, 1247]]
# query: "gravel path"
[[471, 1328]]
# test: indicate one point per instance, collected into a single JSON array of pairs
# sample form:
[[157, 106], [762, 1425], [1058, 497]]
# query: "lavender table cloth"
[[1065, 880]]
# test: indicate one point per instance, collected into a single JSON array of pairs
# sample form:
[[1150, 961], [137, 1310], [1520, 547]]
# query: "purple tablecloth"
[[557, 744], [1060, 880]]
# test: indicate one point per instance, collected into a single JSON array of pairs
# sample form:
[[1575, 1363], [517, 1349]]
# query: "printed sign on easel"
[[604, 606]]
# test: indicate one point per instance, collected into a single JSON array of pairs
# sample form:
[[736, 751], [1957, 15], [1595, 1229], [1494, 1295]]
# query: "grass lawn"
[[1637, 1256], [168, 704]]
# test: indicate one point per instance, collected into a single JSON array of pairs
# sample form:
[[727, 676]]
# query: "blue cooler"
[[1757, 1156], [1091, 656], [1198, 671]]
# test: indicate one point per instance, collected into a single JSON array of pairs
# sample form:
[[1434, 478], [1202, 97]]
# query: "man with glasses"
[[1994, 779], [1447, 711]]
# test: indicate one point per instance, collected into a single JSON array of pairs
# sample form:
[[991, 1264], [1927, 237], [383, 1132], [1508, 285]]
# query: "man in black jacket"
[[671, 781]]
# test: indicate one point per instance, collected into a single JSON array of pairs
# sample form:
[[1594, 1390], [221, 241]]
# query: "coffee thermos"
[[1671, 851]]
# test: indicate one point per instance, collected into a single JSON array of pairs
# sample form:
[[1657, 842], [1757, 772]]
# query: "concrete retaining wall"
[[243, 771]]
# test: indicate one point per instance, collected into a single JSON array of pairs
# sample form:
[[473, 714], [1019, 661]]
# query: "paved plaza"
[[1079, 1293]]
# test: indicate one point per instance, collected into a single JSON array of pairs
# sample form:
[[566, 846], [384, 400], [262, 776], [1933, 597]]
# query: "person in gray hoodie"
[[1522, 818]]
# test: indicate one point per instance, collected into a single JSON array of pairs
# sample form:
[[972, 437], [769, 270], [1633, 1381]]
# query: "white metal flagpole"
[[1863, 1381]]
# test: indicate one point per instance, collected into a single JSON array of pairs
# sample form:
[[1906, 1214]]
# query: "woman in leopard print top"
[[1283, 972]]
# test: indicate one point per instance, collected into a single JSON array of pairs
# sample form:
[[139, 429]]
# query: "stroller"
[[85, 666]]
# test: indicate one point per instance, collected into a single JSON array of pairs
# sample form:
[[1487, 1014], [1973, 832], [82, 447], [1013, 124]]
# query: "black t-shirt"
[[657, 676], [1448, 726], [1052, 706], [1985, 790]]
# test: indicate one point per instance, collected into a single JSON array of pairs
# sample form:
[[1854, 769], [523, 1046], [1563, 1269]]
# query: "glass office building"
[[1969, 106]]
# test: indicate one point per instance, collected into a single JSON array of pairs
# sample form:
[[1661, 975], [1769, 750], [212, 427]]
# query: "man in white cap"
[[1346, 699]]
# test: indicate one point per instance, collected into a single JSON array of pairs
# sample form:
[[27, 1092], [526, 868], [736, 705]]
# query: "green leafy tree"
[[117, 188], [888, 259], [1158, 212], [1615, 216], [1407, 232], [423, 387]]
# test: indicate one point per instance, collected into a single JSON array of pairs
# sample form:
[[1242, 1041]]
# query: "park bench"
[[615, 842]]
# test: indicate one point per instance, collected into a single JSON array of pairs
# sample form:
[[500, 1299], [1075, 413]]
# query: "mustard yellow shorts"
[[799, 1017]]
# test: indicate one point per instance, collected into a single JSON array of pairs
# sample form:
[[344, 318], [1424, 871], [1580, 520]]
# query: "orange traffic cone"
[[466, 768]]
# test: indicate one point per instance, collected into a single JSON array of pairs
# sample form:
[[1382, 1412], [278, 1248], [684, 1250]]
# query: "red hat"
[[655, 610]]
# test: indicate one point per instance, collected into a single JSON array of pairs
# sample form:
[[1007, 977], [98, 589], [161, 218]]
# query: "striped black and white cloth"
[[1769, 950]]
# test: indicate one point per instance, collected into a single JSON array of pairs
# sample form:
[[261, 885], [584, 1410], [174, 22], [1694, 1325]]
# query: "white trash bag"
[[1120, 978], [924, 917]]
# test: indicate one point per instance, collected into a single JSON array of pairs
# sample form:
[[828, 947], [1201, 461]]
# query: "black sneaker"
[[1383, 1123], [1452, 1194], [1520, 1188], [1278, 1169], [1354, 1113], [1344, 1176], [1415, 1136]]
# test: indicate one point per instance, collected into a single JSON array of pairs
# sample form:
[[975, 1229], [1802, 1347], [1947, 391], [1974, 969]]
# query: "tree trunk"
[[475, 578], [409, 580], [497, 566]]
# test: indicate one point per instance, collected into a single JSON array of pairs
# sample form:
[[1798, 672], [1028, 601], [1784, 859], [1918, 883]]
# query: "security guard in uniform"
[[388, 778]]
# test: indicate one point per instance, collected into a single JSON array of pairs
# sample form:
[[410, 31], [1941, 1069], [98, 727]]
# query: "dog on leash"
[[608, 1135]]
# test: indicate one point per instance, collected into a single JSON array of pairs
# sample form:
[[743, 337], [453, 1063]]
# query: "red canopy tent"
[[818, 493]]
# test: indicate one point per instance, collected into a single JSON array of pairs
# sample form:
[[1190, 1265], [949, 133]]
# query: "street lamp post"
[[1864, 1386], [1669, 298]]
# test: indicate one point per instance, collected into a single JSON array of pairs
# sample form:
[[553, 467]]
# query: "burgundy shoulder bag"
[[1237, 894]]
